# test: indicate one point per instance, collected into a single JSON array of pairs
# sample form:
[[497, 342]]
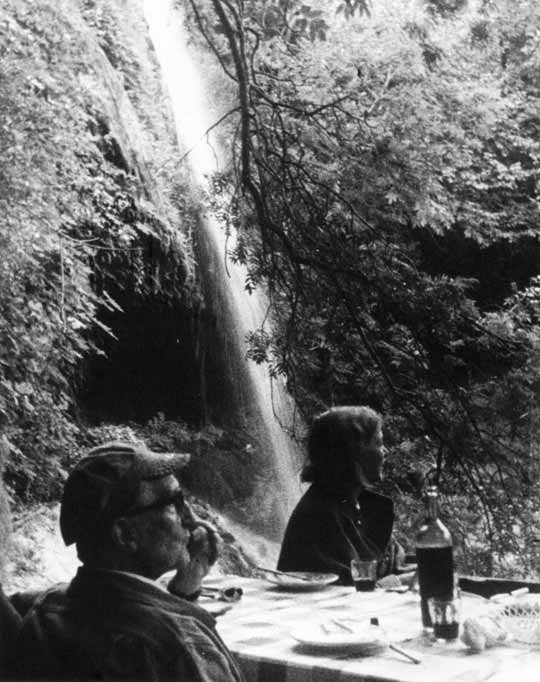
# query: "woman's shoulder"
[[315, 503]]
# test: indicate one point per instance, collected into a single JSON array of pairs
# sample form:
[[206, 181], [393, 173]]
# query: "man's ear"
[[124, 535]]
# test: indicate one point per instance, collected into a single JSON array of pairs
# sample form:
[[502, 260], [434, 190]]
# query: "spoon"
[[395, 647], [228, 594]]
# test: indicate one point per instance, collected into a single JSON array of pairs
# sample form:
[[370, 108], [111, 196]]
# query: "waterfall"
[[265, 403]]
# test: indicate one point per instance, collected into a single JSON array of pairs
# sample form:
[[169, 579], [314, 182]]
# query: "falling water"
[[240, 311]]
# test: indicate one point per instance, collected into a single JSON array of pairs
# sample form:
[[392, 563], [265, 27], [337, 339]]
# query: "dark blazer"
[[325, 531], [10, 624], [112, 626]]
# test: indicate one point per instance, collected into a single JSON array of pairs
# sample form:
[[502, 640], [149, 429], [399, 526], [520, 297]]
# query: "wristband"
[[188, 597]]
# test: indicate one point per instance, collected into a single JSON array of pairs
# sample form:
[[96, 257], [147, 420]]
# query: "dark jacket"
[[112, 626], [326, 531], [10, 624]]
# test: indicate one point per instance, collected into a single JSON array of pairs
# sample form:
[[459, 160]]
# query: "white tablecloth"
[[258, 632]]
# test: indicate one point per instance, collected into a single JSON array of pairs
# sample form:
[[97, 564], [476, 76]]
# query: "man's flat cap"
[[105, 484]]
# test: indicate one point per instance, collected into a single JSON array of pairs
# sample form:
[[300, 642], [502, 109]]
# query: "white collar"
[[142, 578]]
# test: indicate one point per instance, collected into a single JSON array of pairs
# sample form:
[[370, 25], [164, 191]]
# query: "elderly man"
[[124, 509]]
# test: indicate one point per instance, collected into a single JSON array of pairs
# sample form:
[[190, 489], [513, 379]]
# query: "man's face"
[[162, 527]]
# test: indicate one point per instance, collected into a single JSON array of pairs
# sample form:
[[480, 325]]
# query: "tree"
[[363, 143]]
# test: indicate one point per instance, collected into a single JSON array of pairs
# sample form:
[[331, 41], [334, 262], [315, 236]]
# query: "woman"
[[341, 517]]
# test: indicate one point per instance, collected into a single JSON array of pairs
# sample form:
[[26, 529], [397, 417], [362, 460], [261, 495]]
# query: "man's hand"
[[204, 543], [203, 552]]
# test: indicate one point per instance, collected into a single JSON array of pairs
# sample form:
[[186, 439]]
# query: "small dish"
[[521, 619], [359, 637], [301, 581]]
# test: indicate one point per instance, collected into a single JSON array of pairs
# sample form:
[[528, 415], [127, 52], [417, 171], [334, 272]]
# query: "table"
[[257, 631]]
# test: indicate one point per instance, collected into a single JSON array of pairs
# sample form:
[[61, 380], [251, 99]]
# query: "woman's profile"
[[341, 517]]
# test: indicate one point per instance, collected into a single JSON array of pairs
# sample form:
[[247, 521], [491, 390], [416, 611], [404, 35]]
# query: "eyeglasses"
[[176, 499]]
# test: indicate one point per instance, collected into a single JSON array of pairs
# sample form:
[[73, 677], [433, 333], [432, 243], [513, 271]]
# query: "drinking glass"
[[445, 616], [364, 574]]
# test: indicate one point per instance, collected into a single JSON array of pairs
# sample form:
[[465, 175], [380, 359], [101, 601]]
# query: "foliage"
[[83, 215], [362, 152], [46, 299]]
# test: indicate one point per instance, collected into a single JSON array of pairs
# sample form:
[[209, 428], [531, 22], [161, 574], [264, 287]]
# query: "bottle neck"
[[432, 503], [433, 533]]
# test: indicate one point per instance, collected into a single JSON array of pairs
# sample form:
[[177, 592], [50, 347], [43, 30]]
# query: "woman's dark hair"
[[333, 437]]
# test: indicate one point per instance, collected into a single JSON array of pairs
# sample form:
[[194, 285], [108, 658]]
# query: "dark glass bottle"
[[434, 556]]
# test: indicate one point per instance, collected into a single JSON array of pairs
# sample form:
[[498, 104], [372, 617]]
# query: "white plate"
[[305, 582], [329, 636]]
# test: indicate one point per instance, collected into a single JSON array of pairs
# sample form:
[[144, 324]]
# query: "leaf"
[[24, 388], [300, 25], [391, 196]]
